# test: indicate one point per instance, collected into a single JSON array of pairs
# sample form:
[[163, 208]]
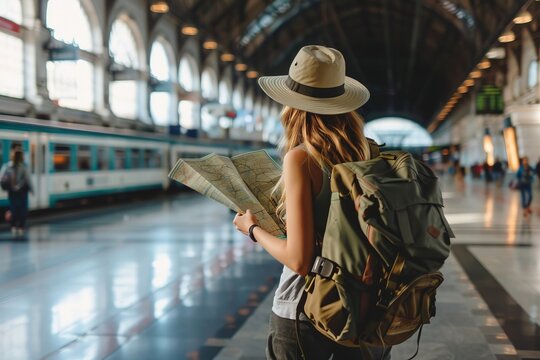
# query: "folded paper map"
[[242, 182]]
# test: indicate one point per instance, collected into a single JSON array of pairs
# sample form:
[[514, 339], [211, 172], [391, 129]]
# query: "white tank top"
[[291, 285]]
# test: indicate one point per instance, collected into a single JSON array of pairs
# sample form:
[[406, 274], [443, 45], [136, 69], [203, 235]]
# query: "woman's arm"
[[298, 251]]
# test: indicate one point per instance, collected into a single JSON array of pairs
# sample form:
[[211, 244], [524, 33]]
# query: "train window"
[[135, 158], [120, 159], [147, 158], [102, 159], [157, 159], [61, 157], [84, 158], [152, 159]]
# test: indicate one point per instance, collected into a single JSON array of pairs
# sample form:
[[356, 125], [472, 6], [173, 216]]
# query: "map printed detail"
[[242, 182]]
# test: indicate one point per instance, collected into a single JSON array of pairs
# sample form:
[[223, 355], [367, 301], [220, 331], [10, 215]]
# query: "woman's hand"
[[244, 221]]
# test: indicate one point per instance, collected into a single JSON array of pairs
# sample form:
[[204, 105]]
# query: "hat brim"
[[355, 95]]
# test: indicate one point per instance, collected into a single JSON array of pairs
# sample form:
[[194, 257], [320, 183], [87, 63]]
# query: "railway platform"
[[172, 279]]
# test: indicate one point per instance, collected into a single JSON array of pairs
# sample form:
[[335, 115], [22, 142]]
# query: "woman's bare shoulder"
[[296, 156]]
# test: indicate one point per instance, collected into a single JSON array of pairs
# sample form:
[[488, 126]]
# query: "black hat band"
[[321, 93]]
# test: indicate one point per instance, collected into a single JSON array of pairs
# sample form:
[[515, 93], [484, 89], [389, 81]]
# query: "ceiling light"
[[507, 36], [468, 82], [523, 17], [496, 53], [484, 64], [210, 44], [252, 74], [189, 30], [159, 7], [476, 74], [462, 89], [227, 57], [241, 67]]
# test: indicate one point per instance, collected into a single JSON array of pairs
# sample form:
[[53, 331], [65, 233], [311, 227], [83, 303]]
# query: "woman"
[[19, 185], [322, 129], [525, 176]]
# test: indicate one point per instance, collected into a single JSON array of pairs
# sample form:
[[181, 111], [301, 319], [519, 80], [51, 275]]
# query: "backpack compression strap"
[[374, 150]]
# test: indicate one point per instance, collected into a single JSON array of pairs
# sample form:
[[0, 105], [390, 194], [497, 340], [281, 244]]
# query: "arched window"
[[188, 78], [209, 84], [249, 119], [532, 78], [125, 54], [188, 74], [238, 97], [397, 132], [11, 43], [160, 71], [257, 113], [267, 103], [70, 77], [224, 92]]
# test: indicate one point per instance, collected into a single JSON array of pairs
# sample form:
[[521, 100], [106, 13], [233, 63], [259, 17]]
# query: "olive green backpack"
[[385, 240]]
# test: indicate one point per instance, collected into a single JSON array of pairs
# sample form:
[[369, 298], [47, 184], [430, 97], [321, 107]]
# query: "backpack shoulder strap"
[[374, 150]]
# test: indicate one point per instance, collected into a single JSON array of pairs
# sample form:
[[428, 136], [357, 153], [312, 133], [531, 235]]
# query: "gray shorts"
[[282, 344]]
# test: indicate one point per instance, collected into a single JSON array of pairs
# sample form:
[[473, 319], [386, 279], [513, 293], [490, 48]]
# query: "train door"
[[42, 169], [31, 156]]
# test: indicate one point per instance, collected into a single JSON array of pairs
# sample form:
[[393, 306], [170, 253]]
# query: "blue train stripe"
[[88, 193]]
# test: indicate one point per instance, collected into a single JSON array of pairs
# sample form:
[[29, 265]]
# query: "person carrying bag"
[[15, 179]]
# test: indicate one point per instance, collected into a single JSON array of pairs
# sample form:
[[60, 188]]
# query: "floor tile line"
[[513, 319]]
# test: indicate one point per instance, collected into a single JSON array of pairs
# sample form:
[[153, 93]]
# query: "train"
[[70, 162]]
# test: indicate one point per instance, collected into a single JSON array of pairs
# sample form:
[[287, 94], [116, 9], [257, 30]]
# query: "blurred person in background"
[[498, 171], [488, 175], [537, 168], [15, 179], [525, 177]]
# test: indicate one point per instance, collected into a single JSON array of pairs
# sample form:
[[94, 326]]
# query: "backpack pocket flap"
[[338, 306], [398, 193], [424, 282], [412, 306]]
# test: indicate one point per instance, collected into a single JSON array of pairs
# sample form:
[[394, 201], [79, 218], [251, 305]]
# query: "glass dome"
[[397, 132]]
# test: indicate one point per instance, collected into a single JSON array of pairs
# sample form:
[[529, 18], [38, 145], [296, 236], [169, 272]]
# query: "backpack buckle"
[[385, 298], [323, 267]]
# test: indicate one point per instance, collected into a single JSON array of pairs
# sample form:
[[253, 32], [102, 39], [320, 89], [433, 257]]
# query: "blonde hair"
[[328, 139]]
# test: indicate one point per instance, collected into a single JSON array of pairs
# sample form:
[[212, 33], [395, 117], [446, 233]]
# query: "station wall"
[[43, 81], [517, 76]]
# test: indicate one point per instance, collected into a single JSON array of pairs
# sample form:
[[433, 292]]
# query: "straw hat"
[[316, 83]]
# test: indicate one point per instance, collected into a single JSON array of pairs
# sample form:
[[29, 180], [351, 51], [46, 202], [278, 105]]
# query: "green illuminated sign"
[[489, 100]]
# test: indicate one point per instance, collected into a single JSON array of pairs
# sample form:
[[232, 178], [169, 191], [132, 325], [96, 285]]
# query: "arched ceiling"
[[411, 54]]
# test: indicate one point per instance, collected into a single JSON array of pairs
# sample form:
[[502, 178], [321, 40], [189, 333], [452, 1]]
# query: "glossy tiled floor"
[[172, 280], [488, 306], [150, 281]]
